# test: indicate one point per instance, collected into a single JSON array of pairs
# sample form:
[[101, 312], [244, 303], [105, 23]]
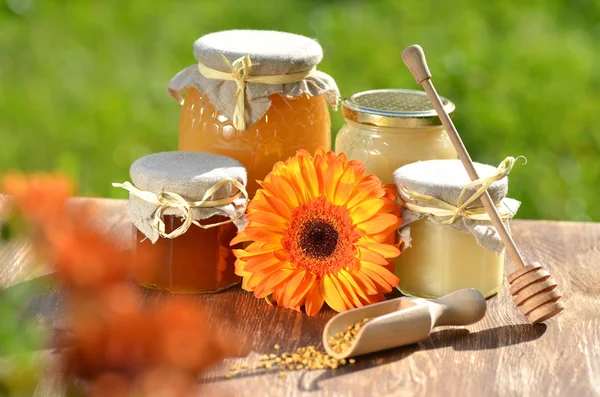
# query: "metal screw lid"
[[393, 108]]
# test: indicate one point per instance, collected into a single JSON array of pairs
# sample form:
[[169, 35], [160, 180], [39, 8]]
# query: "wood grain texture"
[[500, 355]]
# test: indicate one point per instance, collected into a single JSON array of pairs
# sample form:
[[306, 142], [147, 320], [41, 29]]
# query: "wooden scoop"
[[533, 289], [403, 321]]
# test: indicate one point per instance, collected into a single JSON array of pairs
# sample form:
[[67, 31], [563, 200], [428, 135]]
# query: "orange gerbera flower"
[[321, 231]]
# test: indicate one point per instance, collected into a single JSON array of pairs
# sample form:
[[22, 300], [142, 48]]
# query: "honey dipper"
[[533, 289], [400, 321]]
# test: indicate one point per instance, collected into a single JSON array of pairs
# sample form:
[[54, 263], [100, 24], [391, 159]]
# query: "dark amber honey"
[[198, 261]]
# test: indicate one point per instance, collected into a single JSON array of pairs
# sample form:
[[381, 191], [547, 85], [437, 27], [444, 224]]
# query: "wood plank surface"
[[501, 355]]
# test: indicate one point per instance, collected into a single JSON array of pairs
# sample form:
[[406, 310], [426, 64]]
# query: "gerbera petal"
[[367, 190], [331, 179], [385, 250], [291, 286], [259, 263], [257, 277], [296, 180], [348, 290], [268, 218], [390, 206], [265, 287], [256, 249], [349, 279], [371, 256], [387, 236], [378, 223], [331, 295], [320, 169], [365, 282], [345, 187], [278, 206], [366, 209], [390, 191], [263, 234], [380, 275], [309, 175], [345, 297], [303, 288], [240, 238], [359, 167], [286, 191], [314, 300]]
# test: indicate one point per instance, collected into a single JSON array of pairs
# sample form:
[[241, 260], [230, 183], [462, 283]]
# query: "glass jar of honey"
[[389, 128], [186, 208], [255, 96], [450, 243]]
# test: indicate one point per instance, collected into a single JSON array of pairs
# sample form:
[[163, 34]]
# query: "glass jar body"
[[290, 124], [442, 260], [199, 261], [385, 149]]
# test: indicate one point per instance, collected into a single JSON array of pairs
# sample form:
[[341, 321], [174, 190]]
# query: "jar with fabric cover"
[[255, 96], [450, 242], [186, 208], [389, 128]]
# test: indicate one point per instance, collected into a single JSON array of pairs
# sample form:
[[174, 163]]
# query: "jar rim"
[[393, 108]]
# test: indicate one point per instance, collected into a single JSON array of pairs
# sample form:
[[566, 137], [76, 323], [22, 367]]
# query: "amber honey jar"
[[186, 208], [255, 96]]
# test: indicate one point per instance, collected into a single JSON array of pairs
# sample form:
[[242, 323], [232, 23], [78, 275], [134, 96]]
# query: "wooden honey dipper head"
[[534, 291]]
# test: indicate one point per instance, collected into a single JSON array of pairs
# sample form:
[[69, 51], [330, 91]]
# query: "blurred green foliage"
[[83, 83], [19, 338]]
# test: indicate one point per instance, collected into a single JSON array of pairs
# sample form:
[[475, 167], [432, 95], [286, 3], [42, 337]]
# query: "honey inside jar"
[[186, 208], [290, 124], [198, 261]]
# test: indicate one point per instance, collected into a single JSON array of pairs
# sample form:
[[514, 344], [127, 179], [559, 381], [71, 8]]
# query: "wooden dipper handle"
[[414, 58]]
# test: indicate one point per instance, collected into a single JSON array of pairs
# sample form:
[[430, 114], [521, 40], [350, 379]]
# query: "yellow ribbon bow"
[[240, 73], [440, 208], [165, 200]]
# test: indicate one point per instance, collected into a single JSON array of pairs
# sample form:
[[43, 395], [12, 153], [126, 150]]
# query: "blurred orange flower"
[[39, 197], [122, 345], [320, 231]]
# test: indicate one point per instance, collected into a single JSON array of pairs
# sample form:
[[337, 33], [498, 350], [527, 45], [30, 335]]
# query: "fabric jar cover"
[[190, 175], [272, 54], [445, 180]]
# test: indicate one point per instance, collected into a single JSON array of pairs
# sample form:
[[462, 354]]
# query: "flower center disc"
[[319, 239]]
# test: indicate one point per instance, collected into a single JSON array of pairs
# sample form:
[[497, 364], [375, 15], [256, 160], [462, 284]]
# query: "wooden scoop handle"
[[462, 307], [414, 58]]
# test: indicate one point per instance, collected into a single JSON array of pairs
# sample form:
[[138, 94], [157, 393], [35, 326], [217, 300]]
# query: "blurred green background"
[[83, 83]]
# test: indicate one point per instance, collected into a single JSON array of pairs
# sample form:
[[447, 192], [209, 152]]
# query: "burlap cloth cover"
[[271, 53], [445, 180], [189, 174]]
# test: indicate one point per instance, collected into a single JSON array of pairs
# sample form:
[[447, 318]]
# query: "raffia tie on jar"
[[440, 191], [239, 89]]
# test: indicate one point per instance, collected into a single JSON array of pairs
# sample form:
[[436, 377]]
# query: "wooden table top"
[[500, 355]]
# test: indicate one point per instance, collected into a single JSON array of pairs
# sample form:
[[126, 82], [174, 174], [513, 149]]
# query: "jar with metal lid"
[[255, 96], [186, 208], [389, 128]]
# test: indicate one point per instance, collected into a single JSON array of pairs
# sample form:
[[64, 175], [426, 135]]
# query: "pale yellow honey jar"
[[450, 243], [389, 128]]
